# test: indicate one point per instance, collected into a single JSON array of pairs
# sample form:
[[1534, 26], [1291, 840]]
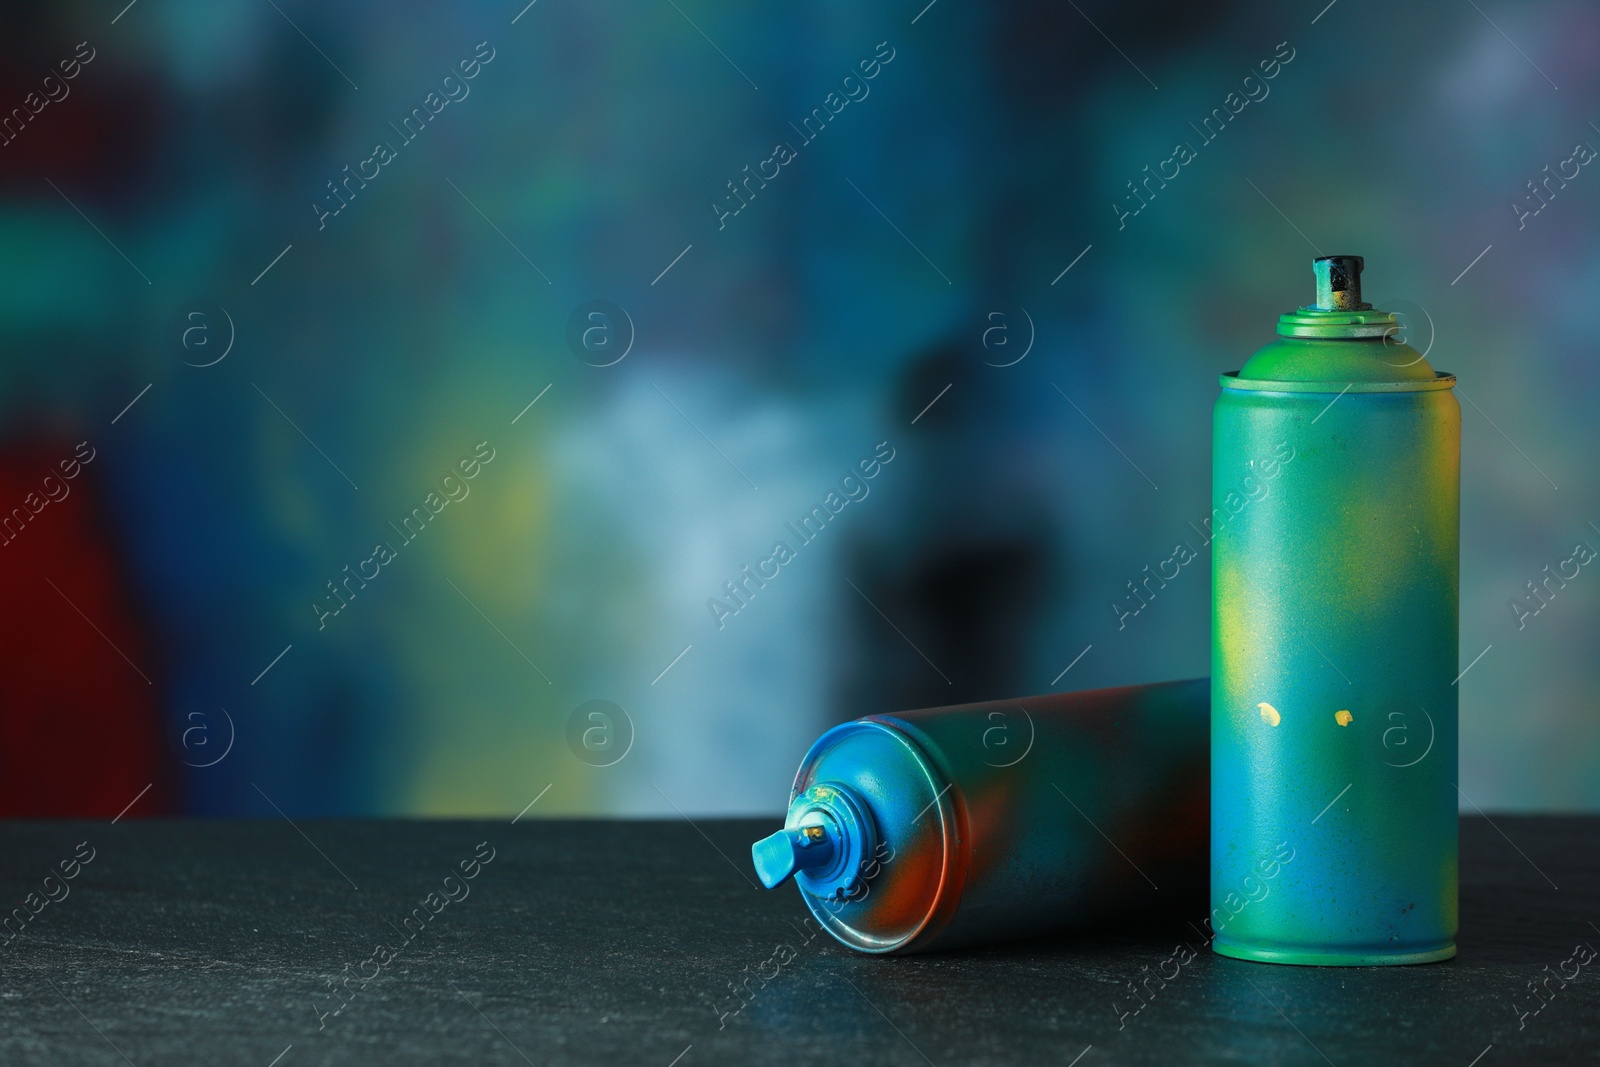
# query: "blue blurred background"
[[590, 214]]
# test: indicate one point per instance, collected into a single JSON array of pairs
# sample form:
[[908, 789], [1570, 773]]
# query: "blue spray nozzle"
[[780, 855], [825, 846]]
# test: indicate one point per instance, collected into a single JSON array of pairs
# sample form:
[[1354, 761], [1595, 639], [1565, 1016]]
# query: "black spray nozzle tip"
[[1339, 282]]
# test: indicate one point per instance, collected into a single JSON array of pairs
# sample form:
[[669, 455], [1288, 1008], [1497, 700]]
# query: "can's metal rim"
[[942, 904], [1231, 380], [1342, 323]]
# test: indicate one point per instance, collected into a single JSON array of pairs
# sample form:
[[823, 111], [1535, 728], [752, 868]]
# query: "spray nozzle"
[[782, 854], [828, 839], [1339, 283]]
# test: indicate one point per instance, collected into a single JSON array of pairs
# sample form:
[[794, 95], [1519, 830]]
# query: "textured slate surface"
[[615, 942]]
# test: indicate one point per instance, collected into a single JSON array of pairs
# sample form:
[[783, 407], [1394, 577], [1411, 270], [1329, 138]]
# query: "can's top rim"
[[1360, 322], [1231, 380], [934, 827]]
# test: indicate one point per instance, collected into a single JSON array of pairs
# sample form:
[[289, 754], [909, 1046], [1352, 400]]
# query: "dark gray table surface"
[[616, 943]]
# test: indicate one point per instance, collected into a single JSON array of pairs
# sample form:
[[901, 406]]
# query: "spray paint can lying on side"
[[1336, 473], [983, 822]]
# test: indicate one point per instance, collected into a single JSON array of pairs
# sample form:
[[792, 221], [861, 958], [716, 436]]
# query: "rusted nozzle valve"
[[1339, 283]]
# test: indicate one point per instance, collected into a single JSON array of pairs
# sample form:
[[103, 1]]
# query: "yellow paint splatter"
[[1269, 714], [1343, 718]]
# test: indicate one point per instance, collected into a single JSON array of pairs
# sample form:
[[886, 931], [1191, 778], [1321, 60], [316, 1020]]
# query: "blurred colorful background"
[[669, 279]]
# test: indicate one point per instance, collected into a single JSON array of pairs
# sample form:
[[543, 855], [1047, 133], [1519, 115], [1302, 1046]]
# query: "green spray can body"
[[1335, 541]]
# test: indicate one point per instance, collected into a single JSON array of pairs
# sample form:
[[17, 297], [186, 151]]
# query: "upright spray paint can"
[[983, 822], [1335, 552]]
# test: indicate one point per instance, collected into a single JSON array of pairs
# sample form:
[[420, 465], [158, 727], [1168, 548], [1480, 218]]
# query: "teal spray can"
[[1335, 485]]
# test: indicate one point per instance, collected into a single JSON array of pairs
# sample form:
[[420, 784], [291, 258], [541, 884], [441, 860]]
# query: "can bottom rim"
[[1443, 950]]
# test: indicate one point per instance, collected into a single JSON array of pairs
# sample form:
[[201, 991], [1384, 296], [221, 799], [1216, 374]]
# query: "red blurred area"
[[80, 732]]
